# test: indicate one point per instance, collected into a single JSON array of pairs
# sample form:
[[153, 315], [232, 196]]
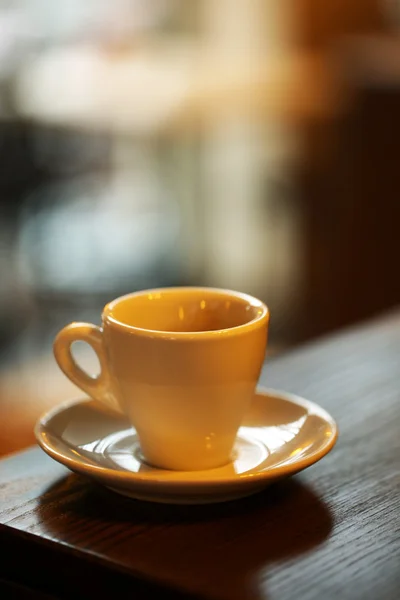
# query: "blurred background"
[[253, 145]]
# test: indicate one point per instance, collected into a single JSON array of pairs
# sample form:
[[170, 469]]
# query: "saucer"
[[281, 435]]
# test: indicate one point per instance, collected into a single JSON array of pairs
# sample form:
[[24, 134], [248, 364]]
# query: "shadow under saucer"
[[232, 545]]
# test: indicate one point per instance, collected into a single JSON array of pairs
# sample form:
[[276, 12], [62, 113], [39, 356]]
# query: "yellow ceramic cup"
[[181, 363]]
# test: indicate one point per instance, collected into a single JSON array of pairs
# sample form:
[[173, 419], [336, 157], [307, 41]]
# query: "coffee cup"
[[182, 364]]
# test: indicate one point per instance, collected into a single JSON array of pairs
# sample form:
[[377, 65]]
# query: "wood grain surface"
[[330, 532]]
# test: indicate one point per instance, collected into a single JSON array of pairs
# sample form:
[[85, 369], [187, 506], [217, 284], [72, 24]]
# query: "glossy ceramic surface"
[[181, 363], [281, 435]]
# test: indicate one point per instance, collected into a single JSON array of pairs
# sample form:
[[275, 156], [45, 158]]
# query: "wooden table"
[[331, 531]]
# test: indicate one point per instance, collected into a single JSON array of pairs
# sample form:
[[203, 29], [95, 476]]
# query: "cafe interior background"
[[252, 145]]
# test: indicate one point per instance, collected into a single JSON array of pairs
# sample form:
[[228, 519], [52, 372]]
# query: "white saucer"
[[281, 435]]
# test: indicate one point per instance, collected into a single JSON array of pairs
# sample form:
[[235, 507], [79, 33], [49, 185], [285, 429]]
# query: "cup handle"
[[98, 387]]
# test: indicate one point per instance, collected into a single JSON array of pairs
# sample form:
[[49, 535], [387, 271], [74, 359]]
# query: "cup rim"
[[259, 320]]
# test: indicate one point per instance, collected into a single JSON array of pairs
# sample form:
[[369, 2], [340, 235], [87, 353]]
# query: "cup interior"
[[185, 310]]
